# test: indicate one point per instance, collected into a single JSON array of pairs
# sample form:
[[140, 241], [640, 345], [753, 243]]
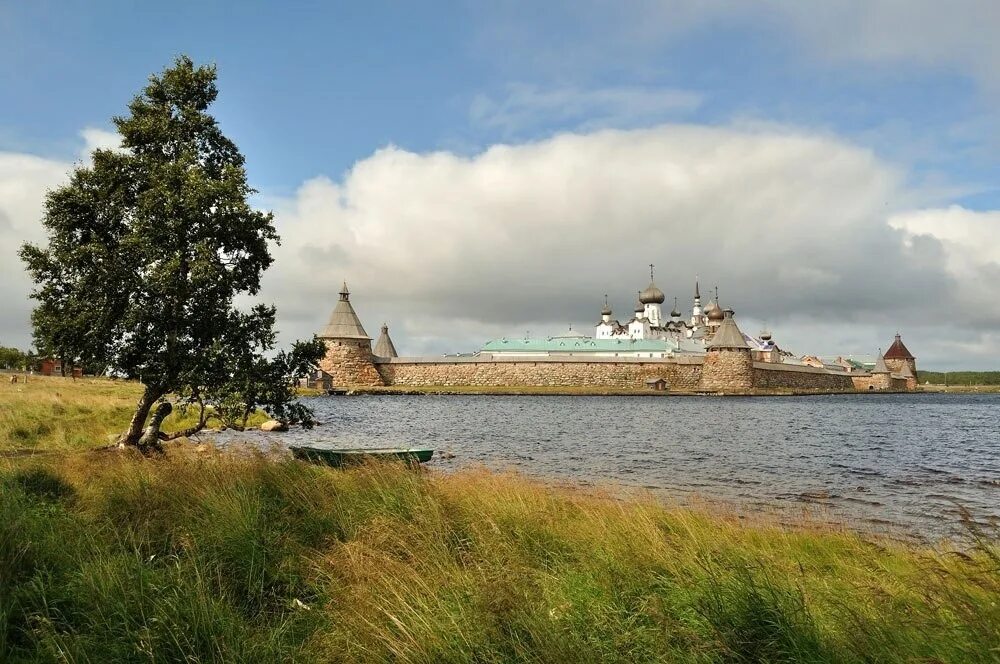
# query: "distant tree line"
[[15, 359], [959, 377]]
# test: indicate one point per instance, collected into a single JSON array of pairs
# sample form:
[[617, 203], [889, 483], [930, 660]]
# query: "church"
[[648, 333]]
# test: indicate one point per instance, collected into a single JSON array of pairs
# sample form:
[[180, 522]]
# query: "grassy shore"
[[203, 556], [961, 389], [48, 414]]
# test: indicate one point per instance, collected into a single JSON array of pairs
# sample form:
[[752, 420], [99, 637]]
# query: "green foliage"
[[959, 377], [148, 248], [222, 558], [267, 383], [12, 358]]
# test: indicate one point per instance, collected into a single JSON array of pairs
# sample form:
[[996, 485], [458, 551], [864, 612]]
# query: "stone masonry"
[[727, 366], [350, 363], [728, 370], [777, 376], [544, 372]]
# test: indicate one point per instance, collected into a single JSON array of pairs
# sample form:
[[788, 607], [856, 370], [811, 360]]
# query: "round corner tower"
[[348, 359], [900, 361], [728, 361]]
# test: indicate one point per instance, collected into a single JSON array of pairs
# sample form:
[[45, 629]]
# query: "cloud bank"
[[798, 230], [810, 235]]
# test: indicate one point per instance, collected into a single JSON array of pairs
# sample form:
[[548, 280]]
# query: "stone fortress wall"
[[728, 372], [488, 371], [713, 373], [727, 366]]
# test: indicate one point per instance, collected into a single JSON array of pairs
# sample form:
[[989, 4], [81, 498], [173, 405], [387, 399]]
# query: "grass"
[[106, 556], [51, 413], [960, 388]]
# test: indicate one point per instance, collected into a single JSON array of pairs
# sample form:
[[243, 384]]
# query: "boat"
[[343, 457]]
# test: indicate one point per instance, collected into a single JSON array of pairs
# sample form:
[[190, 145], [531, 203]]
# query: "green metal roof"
[[577, 345]]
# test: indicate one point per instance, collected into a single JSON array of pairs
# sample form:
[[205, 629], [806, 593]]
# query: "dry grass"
[[50, 413], [214, 557], [203, 556]]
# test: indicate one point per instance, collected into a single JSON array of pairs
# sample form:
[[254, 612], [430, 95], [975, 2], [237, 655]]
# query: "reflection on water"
[[884, 460]]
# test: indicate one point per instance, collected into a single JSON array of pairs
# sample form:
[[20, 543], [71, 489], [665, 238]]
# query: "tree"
[[12, 358], [147, 249]]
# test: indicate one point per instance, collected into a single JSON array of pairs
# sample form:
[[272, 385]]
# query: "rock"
[[273, 425]]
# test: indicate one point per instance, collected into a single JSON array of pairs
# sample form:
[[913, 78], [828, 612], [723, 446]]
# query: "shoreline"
[[457, 390]]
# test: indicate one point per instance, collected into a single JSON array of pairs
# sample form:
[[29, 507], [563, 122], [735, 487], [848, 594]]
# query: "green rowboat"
[[338, 458]]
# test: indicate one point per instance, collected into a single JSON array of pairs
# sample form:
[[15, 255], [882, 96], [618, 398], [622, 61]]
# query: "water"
[[889, 463]]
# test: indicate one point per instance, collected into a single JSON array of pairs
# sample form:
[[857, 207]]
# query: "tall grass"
[[107, 557], [50, 413]]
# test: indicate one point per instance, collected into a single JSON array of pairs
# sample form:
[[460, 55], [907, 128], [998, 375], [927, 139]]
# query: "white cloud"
[[528, 107], [807, 234], [971, 245], [24, 180], [792, 226], [98, 139]]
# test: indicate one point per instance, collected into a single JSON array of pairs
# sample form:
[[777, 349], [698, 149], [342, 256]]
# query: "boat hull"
[[337, 458]]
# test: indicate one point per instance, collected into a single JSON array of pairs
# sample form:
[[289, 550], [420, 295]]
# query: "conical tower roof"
[[384, 346], [880, 366], [728, 335], [905, 371], [344, 322], [897, 351]]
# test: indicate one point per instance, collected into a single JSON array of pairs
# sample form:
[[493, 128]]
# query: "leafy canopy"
[[149, 246]]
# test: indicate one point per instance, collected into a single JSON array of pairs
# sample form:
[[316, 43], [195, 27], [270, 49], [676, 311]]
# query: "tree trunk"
[[190, 431], [134, 433], [151, 436]]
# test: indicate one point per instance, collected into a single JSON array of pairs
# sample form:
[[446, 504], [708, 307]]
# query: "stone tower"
[[384, 346], [348, 358], [728, 363], [898, 357], [881, 373]]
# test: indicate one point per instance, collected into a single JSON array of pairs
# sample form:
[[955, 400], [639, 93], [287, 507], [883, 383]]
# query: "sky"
[[476, 170]]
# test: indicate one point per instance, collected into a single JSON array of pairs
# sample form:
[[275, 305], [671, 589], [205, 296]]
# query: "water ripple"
[[920, 456]]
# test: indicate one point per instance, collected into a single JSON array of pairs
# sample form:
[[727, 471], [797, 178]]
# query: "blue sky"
[[311, 87], [314, 90]]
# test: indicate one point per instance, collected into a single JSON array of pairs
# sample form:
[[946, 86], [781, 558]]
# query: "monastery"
[[704, 351]]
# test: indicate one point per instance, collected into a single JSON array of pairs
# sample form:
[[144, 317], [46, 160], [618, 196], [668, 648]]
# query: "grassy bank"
[[221, 558], [961, 389], [51, 413], [200, 556]]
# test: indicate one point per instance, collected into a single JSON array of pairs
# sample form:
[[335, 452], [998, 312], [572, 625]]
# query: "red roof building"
[[897, 351]]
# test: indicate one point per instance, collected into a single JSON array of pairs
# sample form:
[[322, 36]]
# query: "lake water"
[[888, 463]]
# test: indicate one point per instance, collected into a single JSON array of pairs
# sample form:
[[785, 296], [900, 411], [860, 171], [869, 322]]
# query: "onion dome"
[[765, 335], [714, 311], [606, 311], [639, 306], [652, 295], [674, 313]]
